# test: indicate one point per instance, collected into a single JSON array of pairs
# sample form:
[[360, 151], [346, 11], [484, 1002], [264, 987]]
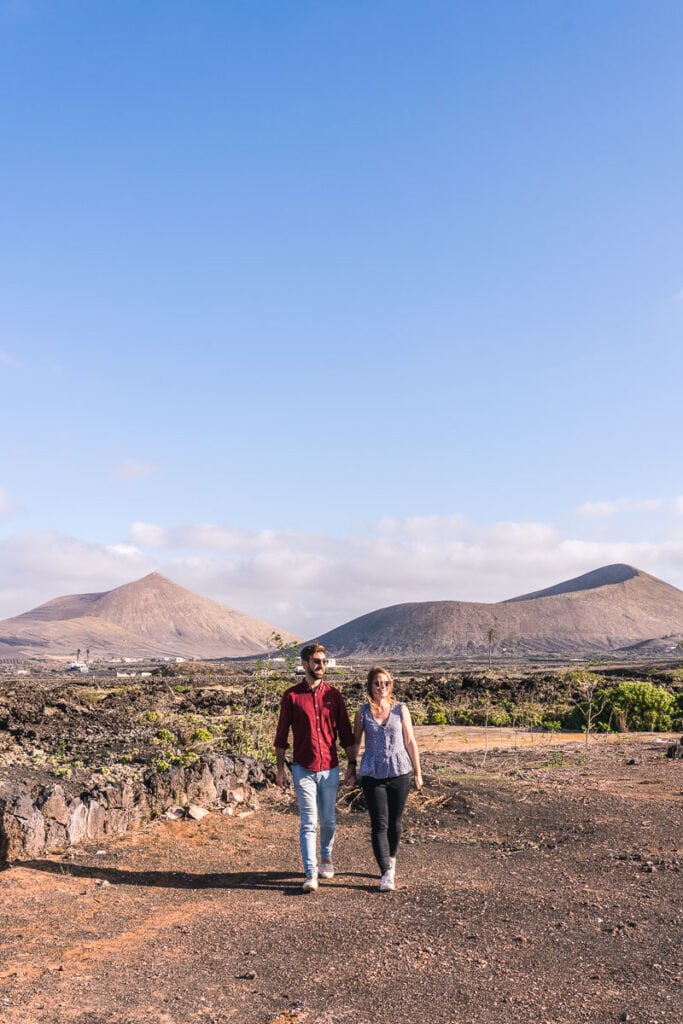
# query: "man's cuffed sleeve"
[[344, 728]]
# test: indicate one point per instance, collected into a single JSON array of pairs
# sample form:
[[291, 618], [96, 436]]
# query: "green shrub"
[[191, 718], [88, 696], [629, 706], [185, 759], [201, 736], [165, 736], [638, 707], [677, 717], [244, 734], [499, 717], [418, 714], [436, 713], [150, 717], [529, 715]]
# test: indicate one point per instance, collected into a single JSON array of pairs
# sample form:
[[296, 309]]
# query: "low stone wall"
[[40, 819]]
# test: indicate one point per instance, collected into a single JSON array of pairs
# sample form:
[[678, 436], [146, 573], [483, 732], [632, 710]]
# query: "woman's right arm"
[[357, 733], [357, 728]]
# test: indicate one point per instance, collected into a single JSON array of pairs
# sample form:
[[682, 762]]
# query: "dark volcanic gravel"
[[533, 889]]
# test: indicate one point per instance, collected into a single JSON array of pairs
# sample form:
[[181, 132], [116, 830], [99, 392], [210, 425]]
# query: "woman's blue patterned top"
[[385, 754]]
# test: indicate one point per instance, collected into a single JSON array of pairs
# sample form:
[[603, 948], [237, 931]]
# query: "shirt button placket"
[[317, 727]]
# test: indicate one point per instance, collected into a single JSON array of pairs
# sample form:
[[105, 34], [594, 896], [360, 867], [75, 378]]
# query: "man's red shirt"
[[316, 717]]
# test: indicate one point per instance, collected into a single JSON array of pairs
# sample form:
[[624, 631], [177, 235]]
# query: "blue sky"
[[320, 306]]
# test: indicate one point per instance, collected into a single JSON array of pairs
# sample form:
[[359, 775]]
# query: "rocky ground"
[[536, 884]]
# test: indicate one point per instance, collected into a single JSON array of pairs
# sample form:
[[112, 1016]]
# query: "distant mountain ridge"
[[151, 617], [609, 609], [607, 576], [616, 607]]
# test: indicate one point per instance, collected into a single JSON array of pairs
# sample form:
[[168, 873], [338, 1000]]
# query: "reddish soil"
[[539, 886]]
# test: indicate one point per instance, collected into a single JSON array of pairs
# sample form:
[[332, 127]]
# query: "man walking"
[[317, 716]]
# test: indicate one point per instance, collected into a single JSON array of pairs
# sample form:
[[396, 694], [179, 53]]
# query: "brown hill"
[[152, 617], [610, 608]]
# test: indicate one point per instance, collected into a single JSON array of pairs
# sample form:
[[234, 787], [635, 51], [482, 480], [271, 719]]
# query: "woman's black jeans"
[[386, 799]]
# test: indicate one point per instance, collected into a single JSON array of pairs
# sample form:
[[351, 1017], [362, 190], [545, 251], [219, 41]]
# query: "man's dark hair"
[[310, 649]]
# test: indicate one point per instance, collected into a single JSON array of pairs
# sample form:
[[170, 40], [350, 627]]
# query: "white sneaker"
[[387, 882], [310, 883], [327, 869]]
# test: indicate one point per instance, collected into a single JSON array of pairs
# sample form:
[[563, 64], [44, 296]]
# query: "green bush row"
[[632, 707], [627, 706]]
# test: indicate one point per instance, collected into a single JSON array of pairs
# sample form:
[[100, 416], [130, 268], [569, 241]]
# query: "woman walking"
[[390, 761]]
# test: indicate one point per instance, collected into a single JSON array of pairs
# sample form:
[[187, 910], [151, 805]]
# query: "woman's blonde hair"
[[375, 671]]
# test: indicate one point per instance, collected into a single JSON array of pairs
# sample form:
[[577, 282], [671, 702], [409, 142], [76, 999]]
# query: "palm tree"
[[78, 654], [492, 637]]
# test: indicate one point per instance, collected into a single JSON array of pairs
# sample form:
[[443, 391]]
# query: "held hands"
[[350, 777], [281, 779]]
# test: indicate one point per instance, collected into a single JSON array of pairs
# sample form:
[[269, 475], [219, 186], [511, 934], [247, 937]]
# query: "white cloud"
[[205, 535], [6, 359], [36, 567], [131, 469], [678, 505], [648, 504], [606, 509], [125, 550], [598, 509], [423, 526], [148, 535], [311, 582]]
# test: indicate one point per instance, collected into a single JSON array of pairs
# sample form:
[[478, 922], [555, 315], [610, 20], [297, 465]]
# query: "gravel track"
[[538, 887]]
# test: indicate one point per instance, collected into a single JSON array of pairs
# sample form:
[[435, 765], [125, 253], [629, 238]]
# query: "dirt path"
[[472, 737], [546, 889]]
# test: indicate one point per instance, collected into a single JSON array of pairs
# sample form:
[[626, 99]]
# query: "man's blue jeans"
[[316, 794]]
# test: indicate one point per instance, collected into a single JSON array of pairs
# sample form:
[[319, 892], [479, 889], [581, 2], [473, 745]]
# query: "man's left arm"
[[347, 740]]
